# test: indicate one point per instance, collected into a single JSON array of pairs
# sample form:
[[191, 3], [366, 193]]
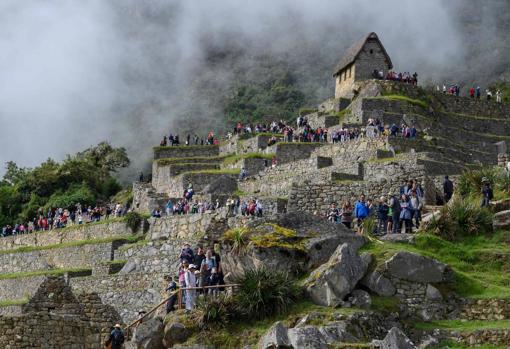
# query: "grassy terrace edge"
[[49, 272], [181, 147], [127, 238]]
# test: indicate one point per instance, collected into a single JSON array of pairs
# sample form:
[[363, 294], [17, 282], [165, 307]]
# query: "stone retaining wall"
[[127, 293], [485, 309], [175, 186], [20, 287], [193, 226], [58, 258], [37, 330], [59, 236], [186, 151], [290, 152], [494, 337]]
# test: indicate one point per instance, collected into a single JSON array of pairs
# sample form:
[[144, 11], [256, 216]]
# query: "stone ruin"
[[106, 273]]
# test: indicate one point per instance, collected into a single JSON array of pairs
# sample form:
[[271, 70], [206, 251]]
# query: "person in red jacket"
[[472, 92]]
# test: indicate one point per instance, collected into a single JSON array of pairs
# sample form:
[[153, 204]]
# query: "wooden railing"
[[177, 292]]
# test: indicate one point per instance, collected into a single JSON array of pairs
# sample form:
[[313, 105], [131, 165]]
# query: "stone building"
[[360, 61]]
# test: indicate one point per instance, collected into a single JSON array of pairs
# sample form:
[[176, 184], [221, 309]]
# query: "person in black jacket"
[[487, 192], [447, 189]]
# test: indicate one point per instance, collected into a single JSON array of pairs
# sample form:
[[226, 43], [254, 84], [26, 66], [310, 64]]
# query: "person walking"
[[346, 214], [116, 338], [447, 189], [417, 207], [382, 216]]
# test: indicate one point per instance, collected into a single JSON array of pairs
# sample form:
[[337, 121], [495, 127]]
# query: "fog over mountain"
[[128, 71]]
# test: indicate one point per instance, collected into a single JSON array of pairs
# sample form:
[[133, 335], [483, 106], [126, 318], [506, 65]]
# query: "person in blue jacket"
[[361, 212]]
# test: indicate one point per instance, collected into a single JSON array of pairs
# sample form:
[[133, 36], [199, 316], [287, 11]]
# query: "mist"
[[76, 73]]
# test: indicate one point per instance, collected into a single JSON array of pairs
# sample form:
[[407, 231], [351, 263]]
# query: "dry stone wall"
[[186, 151], [59, 236], [67, 257]]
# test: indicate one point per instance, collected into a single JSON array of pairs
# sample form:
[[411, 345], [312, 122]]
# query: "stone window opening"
[[371, 51], [350, 71]]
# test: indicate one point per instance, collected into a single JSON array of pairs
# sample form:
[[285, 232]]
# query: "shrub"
[[462, 218], [470, 182], [265, 292], [213, 312], [239, 239], [68, 199], [134, 221]]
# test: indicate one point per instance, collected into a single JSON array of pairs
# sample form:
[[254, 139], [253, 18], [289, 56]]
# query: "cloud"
[[75, 73]]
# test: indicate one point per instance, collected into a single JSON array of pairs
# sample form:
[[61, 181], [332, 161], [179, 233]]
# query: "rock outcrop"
[[501, 220], [330, 283], [395, 339], [378, 284], [414, 267]]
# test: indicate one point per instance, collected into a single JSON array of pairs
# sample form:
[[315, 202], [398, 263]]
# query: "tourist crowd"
[[392, 213], [394, 76], [474, 92], [187, 205], [56, 218], [200, 272]]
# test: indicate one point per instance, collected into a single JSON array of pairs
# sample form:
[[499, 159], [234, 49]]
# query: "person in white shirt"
[[191, 281]]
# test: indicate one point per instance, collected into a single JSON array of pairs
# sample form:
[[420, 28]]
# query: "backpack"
[[117, 337]]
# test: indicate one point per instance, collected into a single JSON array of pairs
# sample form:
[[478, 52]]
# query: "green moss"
[[385, 304], [71, 244], [464, 326], [50, 272], [268, 235], [239, 193], [13, 302]]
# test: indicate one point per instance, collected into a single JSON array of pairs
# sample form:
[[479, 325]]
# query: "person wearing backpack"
[[487, 192], [116, 338]]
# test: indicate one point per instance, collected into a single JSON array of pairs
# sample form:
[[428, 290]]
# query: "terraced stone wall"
[[58, 236], [61, 258], [191, 226], [52, 331], [186, 151]]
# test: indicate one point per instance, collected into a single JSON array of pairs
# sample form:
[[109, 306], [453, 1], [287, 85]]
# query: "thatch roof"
[[353, 52]]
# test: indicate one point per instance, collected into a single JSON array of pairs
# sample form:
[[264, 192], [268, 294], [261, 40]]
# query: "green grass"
[[123, 196], [117, 261], [417, 102], [129, 238], [50, 272], [232, 159], [375, 160], [480, 271], [385, 304], [239, 193], [13, 302], [223, 171], [247, 333], [139, 243], [197, 159], [464, 326]]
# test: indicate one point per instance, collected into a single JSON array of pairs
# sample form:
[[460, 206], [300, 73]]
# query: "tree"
[[106, 157]]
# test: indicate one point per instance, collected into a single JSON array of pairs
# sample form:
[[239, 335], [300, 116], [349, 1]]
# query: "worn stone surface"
[[378, 284], [175, 333], [275, 338], [149, 334], [330, 283], [413, 267], [395, 339], [360, 299], [308, 337], [501, 220]]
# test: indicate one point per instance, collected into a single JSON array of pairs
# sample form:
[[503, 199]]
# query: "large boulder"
[[395, 339], [308, 337], [500, 205], [175, 333], [331, 282], [501, 220], [275, 338], [149, 334], [337, 333], [416, 268], [378, 284]]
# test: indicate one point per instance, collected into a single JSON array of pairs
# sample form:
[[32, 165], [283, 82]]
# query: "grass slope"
[[481, 263]]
